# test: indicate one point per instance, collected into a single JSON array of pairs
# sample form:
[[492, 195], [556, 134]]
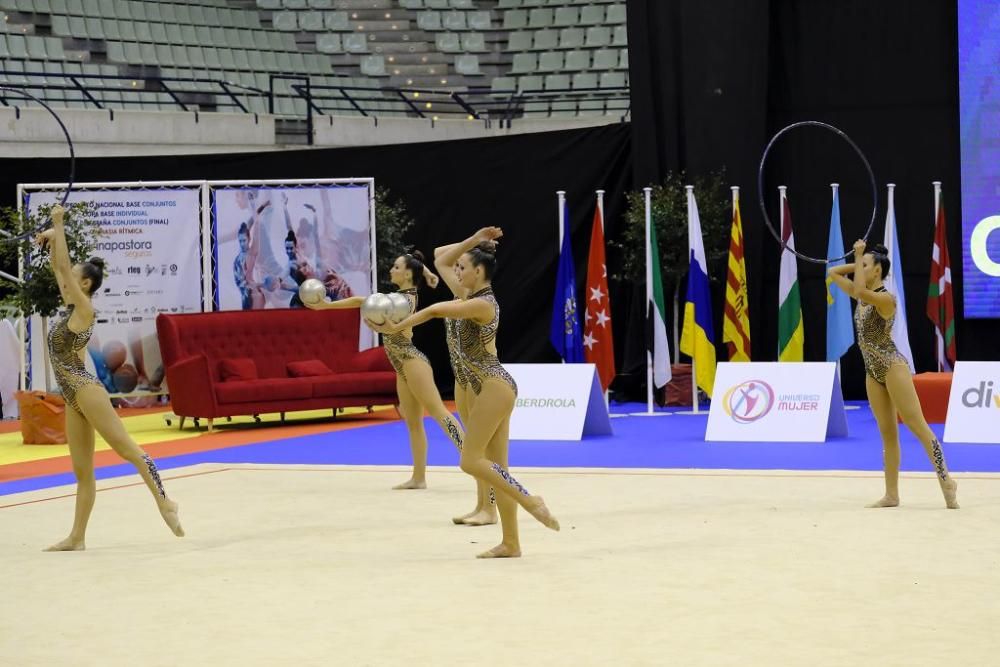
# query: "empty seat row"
[[586, 81], [453, 42], [432, 20], [508, 4], [31, 46], [515, 19], [558, 61], [437, 4], [169, 12], [567, 38], [136, 53], [171, 33], [336, 43], [465, 64]]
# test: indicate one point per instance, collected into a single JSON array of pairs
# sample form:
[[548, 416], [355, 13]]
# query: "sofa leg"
[[282, 417], [181, 427], [210, 424]]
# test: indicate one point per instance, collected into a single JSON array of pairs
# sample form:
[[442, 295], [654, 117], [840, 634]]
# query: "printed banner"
[[270, 239], [974, 403], [776, 402], [557, 402], [151, 245]]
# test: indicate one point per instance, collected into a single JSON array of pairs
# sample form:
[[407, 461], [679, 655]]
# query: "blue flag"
[[565, 332], [839, 327]]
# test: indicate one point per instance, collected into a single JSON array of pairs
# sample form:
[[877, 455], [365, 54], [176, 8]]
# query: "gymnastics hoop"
[[72, 162], [760, 189]]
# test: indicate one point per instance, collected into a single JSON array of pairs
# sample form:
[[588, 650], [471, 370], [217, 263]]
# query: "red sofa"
[[248, 362]]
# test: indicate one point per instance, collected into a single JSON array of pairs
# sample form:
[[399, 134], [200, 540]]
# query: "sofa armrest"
[[366, 361], [190, 385]]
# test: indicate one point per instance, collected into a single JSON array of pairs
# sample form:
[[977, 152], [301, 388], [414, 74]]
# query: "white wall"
[[98, 133]]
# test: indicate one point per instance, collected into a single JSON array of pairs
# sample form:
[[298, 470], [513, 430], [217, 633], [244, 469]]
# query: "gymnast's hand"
[[45, 238], [489, 234], [859, 248]]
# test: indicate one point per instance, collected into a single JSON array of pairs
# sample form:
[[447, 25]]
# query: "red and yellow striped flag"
[[736, 318]]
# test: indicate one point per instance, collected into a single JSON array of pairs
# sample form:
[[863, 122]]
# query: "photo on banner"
[[269, 239], [151, 244]]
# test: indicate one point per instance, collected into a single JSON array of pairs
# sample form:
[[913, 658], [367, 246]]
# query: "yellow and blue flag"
[[698, 335], [839, 326]]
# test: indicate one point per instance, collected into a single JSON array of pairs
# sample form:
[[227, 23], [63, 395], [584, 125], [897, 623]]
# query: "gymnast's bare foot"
[[459, 520], [536, 507], [502, 550], [411, 484], [481, 518], [950, 490], [69, 544], [885, 501], [168, 510]]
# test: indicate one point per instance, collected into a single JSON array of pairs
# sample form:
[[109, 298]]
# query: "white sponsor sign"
[[974, 403], [151, 246], [557, 402], [776, 402]]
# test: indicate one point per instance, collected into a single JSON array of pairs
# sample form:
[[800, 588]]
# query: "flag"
[[564, 331], [698, 336], [839, 326], [736, 316], [791, 335], [597, 338], [894, 283], [940, 303], [656, 311]]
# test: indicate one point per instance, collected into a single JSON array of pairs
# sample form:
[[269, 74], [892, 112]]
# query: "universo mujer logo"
[[748, 401]]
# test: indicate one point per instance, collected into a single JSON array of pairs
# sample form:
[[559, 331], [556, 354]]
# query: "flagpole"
[[694, 374], [834, 187], [937, 333], [561, 202], [648, 194], [781, 229]]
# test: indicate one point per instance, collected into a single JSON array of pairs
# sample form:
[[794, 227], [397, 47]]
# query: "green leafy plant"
[[38, 294], [391, 224], [668, 203]]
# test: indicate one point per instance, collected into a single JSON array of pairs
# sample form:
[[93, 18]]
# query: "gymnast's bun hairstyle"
[[93, 269], [485, 255], [880, 254], [414, 261]]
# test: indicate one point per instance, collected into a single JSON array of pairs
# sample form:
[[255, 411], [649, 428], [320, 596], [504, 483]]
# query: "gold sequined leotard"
[[64, 351], [452, 336], [398, 347], [480, 363], [875, 340]]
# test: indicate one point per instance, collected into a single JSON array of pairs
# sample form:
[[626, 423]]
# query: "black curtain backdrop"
[[451, 188], [712, 82]]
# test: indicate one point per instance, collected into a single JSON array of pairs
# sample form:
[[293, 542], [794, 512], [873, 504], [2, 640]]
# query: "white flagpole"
[[781, 231], [648, 194], [600, 207], [833, 187], [694, 374], [937, 332], [561, 197]]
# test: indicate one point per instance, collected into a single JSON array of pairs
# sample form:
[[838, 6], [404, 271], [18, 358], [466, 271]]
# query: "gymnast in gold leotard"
[[486, 438], [888, 383], [414, 378], [89, 405]]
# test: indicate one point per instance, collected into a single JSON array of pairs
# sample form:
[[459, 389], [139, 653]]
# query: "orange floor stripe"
[[200, 441]]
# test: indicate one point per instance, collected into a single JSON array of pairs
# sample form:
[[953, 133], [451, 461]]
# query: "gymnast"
[[888, 380]]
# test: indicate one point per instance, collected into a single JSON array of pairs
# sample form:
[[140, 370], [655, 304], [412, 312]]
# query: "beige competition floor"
[[326, 566]]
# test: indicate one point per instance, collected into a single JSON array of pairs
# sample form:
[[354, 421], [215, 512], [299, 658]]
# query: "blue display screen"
[[979, 106]]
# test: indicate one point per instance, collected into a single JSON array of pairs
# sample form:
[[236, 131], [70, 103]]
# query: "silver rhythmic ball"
[[400, 307], [312, 291], [376, 309]]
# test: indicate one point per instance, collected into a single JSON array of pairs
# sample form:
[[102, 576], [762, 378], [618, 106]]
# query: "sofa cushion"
[[355, 384], [237, 368], [308, 368], [372, 359], [266, 389]]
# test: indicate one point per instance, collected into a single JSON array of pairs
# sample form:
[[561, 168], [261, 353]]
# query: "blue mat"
[[676, 441]]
